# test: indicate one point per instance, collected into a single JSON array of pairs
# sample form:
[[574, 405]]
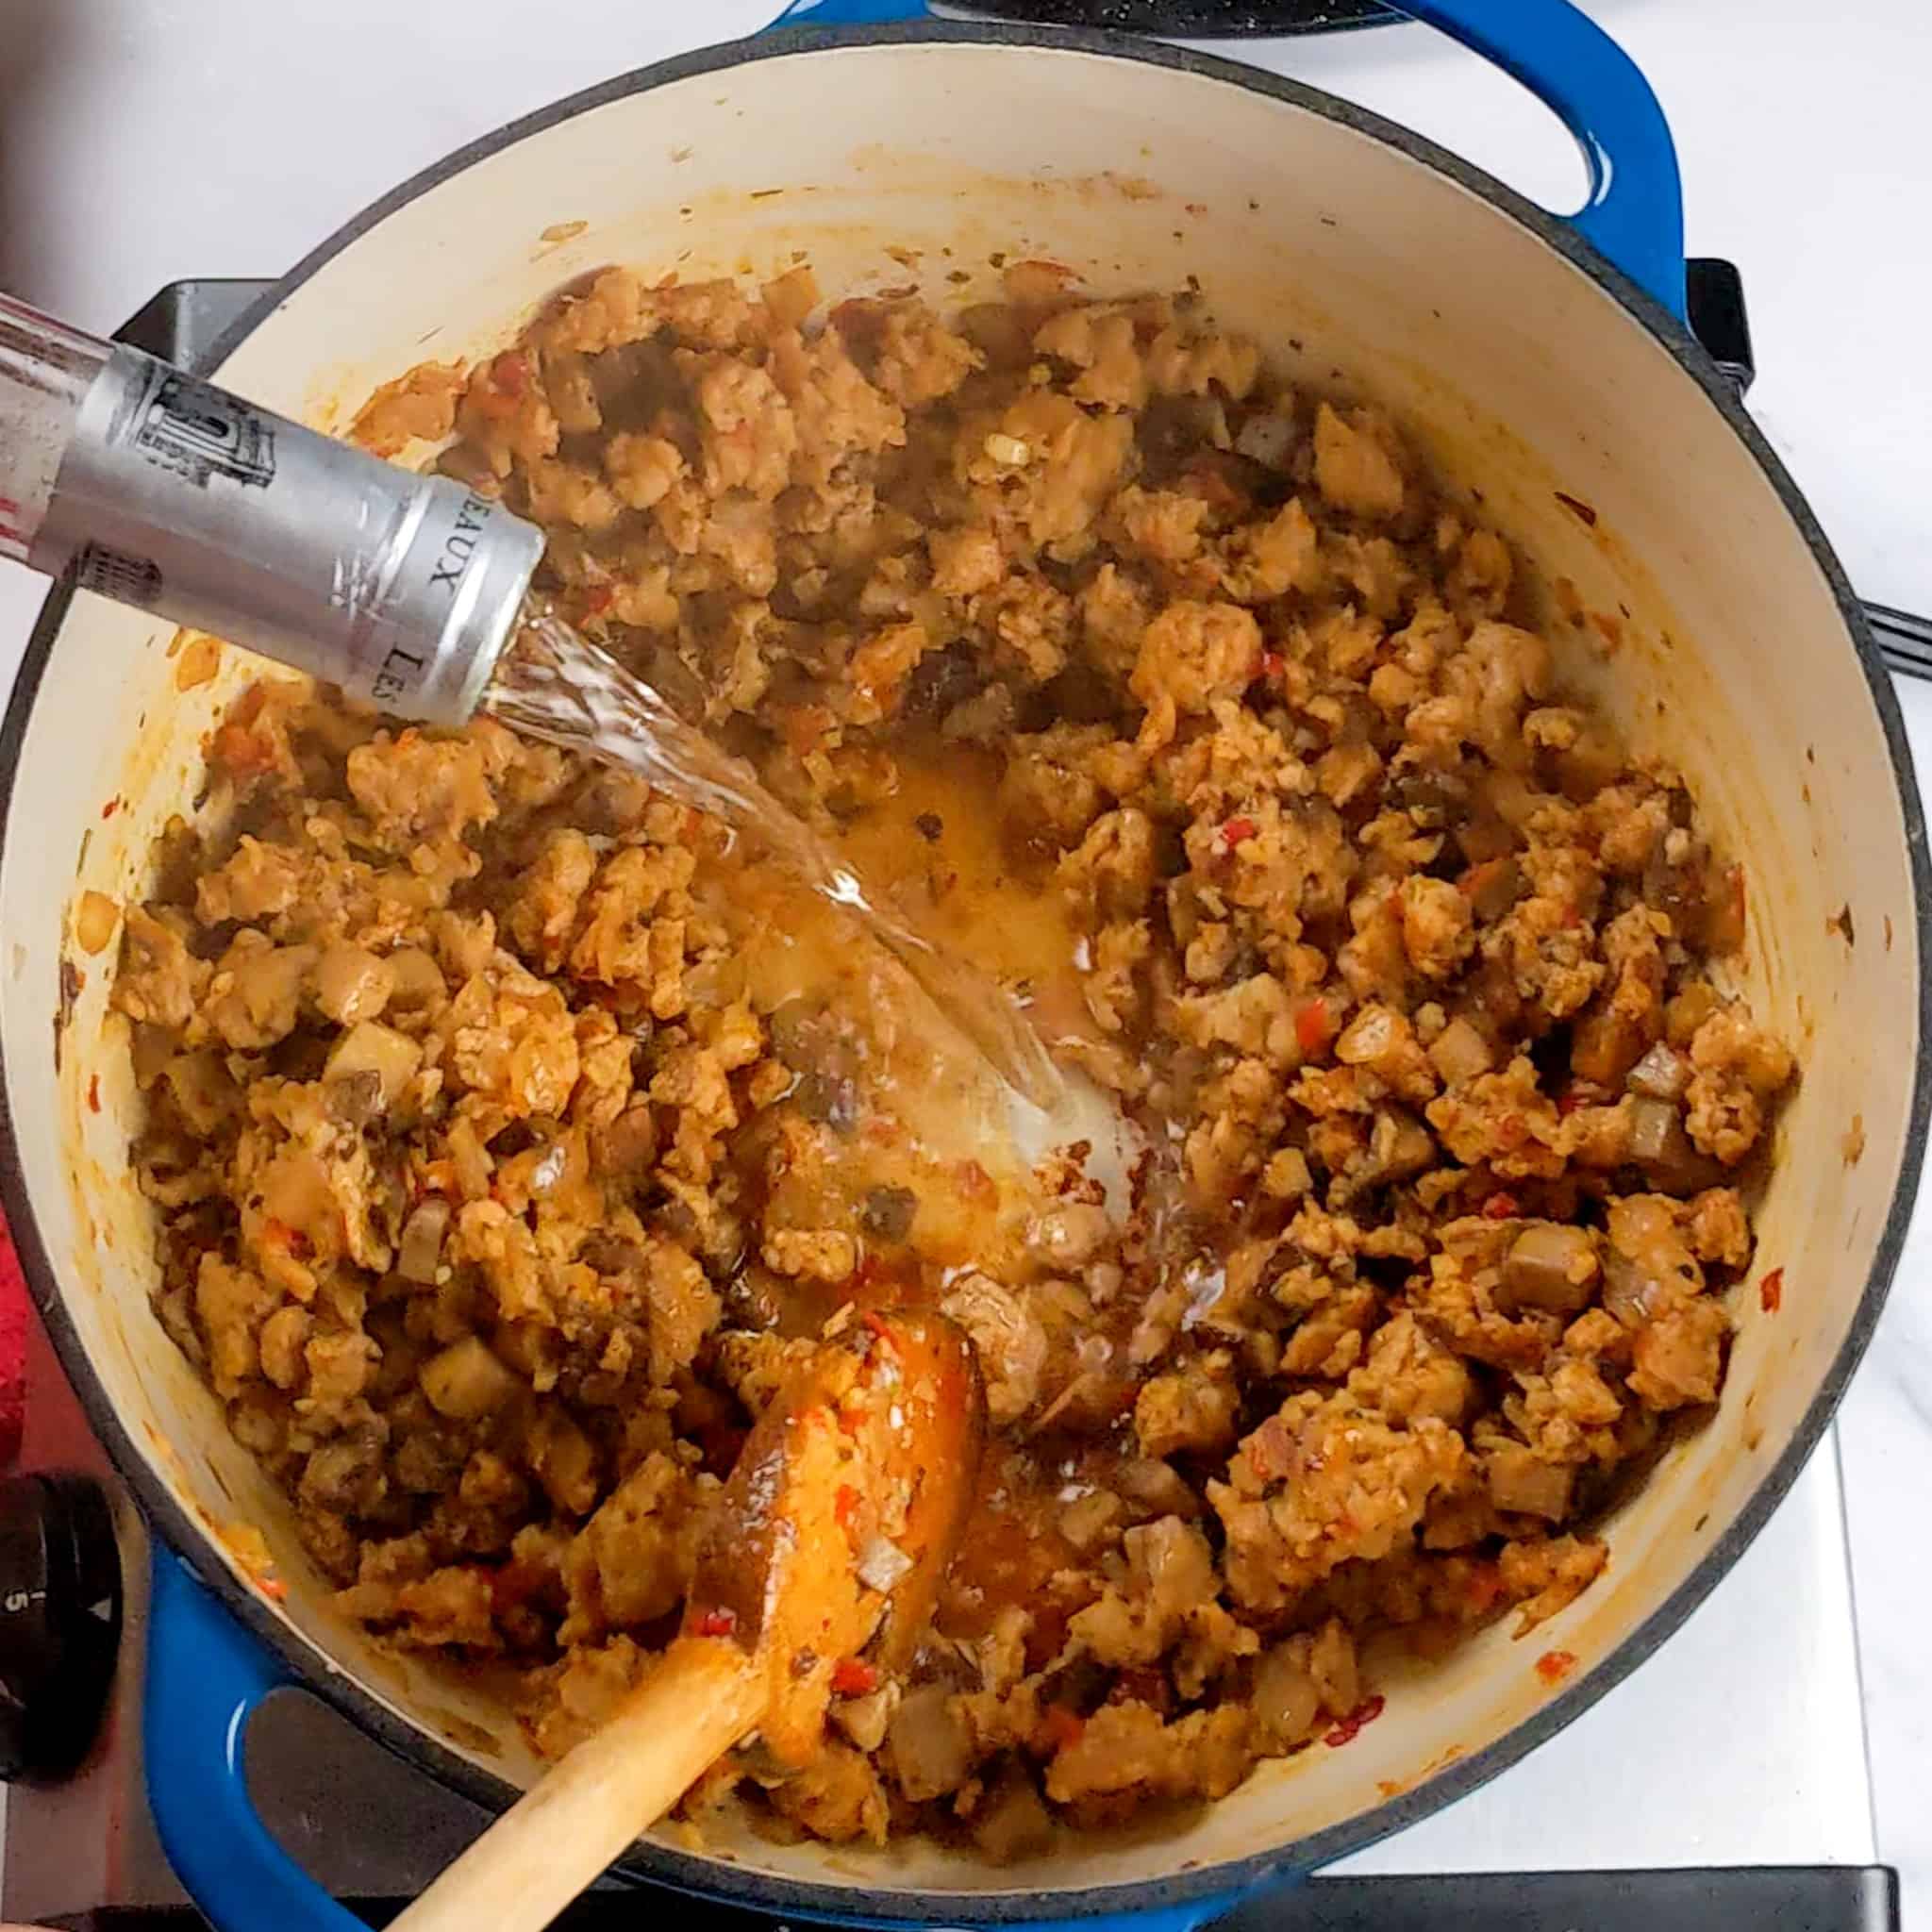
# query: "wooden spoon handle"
[[703, 1697]]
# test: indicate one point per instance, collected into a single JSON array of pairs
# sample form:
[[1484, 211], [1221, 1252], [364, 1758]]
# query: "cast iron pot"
[[1542, 362]]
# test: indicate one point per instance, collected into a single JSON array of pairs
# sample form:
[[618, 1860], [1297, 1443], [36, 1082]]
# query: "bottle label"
[[126, 579]]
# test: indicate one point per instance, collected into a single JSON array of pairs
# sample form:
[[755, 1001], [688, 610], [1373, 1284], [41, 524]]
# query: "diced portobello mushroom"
[[1662, 1074], [355, 1099], [1522, 1484], [420, 1251], [1661, 1148], [1549, 1266], [888, 1214], [928, 1748]]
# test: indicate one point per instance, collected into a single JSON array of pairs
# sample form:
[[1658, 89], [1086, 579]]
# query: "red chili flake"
[[112, 806], [1501, 1206], [1311, 1025], [272, 1588], [1569, 1100], [1555, 1665], [845, 1506], [716, 1624], [93, 1093], [1771, 1292], [1235, 832], [1350, 1728], [1272, 664], [854, 1677], [510, 373], [598, 599], [1062, 1727]]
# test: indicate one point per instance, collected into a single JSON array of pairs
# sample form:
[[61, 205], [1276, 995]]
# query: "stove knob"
[[60, 1621]]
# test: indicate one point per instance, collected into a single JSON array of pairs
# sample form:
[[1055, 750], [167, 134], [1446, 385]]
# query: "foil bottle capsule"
[[176, 496]]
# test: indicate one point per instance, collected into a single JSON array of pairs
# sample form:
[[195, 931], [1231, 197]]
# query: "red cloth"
[[13, 1320]]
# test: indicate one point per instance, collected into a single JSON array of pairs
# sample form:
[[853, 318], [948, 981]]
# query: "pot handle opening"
[[1633, 215], [206, 1676]]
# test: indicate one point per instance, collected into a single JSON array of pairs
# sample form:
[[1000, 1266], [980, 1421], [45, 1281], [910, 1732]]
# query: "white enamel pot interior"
[[1360, 258]]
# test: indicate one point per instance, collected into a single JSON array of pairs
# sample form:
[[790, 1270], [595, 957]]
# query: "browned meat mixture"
[[504, 1120]]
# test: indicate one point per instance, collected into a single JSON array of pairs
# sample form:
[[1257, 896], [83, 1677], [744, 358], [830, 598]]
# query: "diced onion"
[[882, 1565]]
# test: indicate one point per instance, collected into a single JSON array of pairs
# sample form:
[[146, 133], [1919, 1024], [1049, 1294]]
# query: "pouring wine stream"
[[554, 684]]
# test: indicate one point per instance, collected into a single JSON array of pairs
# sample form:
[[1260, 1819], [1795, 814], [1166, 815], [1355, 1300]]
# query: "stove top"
[[1724, 1784]]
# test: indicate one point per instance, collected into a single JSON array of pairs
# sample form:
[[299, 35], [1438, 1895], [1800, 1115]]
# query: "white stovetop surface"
[[142, 141]]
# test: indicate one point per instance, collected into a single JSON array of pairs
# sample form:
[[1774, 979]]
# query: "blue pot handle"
[[206, 1675], [1634, 215]]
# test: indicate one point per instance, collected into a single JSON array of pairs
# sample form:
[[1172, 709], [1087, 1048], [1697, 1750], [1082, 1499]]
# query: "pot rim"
[[312, 1668]]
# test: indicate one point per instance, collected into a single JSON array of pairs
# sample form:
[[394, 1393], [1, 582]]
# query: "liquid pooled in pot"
[[554, 684]]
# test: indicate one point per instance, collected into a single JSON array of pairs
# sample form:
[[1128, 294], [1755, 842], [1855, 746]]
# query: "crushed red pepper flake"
[[853, 1677], [1350, 1728], [1312, 1028], [1771, 1292]]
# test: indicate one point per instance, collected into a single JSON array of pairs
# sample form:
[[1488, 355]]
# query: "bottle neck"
[[46, 369]]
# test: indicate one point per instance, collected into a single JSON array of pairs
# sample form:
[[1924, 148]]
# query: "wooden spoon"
[[831, 1537]]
